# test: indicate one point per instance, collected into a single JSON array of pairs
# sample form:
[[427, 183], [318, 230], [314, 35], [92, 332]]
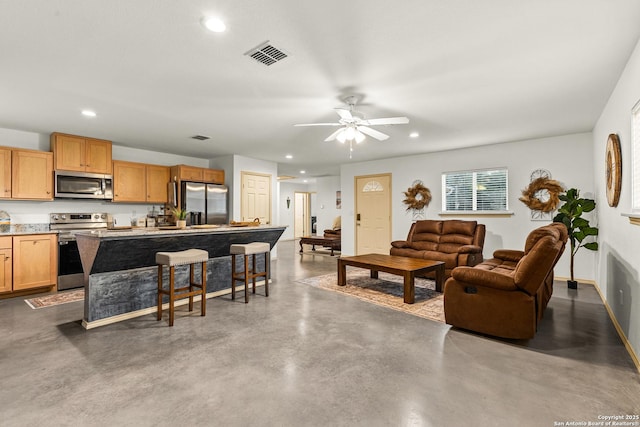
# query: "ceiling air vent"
[[266, 54], [201, 137]]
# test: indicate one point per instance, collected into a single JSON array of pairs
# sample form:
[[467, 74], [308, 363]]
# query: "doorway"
[[301, 214], [373, 214], [255, 197]]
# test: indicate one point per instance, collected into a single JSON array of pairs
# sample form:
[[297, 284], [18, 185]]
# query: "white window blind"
[[480, 190], [635, 131]]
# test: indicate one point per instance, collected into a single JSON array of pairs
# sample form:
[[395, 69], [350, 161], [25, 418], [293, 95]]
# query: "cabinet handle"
[[48, 192]]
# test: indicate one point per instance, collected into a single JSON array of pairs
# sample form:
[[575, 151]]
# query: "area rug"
[[387, 290], [56, 299]]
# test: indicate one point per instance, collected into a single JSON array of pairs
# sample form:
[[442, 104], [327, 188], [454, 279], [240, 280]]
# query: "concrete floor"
[[306, 356]]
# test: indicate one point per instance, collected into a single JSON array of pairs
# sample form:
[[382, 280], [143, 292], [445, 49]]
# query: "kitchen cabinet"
[[157, 180], [139, 182], [31, 175], [6, 271], [188, 173], [35, 261], [129, 181], [214, 176], [81, 154], [193, 173], [5, 173]]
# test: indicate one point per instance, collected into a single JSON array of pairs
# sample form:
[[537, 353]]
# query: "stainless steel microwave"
[[83, 185]]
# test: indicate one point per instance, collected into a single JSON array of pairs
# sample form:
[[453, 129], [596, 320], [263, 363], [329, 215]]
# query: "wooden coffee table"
[[333, 244], [406, 267]]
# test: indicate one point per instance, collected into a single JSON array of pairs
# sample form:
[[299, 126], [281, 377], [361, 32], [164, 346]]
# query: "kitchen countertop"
[[142, 232], [22, 229]]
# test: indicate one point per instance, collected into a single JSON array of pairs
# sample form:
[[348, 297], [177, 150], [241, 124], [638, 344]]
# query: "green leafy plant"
[[180, 214], [581, 234]]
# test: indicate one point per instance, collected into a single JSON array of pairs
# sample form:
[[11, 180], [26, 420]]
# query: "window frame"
[[474, 196]]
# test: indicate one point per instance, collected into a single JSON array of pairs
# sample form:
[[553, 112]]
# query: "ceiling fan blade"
[[319, 124], [373, 133], [387, 121], [333, 135], [344, 114]]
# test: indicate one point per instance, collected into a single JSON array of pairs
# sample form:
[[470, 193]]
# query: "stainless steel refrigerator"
[[205, 203]]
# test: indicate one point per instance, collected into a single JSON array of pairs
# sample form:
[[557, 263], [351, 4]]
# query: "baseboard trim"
[[149, 310], [585, 281], [623, 337]]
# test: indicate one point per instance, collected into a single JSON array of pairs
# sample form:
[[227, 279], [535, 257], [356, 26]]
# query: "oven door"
[[70, 274]]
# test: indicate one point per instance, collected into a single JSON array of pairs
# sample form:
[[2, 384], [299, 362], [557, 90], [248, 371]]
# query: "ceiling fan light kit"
[[355, 127]]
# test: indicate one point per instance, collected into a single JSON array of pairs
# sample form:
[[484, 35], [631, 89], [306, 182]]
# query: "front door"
[[373, 214], [256, 197]]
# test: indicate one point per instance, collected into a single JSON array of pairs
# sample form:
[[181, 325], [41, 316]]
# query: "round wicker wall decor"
[[535, 195], [417, 197]]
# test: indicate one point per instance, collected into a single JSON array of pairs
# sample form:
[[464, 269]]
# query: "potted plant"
[[181, 217], [581, 234]]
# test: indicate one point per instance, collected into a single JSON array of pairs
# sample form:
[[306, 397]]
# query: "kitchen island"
[[120, 273]]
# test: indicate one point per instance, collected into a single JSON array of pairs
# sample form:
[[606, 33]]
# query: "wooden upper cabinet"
[[193, 173], [5, 173], [157, 180], [215, 176], [189, 173], [31, 175], [81, 154], [129, 181]]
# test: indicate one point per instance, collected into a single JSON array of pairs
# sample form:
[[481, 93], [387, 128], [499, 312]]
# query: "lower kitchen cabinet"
[[6, 275], [35, 261]]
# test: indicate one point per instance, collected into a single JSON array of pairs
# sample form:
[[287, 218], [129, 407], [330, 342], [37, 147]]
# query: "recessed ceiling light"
[[88, 113], [289, 156], [214, 24], [414, 135], [303, 171], [304, 180]]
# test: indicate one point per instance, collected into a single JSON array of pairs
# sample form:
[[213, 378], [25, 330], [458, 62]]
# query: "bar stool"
[[249, 249], [171, 259]]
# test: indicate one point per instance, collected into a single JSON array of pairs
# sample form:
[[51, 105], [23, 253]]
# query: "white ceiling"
[[465, 72]]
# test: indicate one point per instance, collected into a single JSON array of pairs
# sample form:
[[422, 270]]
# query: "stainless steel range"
[[69, 266]]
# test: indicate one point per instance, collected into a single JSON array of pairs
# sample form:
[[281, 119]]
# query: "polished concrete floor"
[[305, 356]]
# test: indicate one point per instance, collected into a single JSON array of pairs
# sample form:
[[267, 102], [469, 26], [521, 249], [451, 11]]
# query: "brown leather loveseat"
[[455, 242], [506, 296]]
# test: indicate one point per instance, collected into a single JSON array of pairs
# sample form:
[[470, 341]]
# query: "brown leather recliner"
[[455, 242], [506, 296]]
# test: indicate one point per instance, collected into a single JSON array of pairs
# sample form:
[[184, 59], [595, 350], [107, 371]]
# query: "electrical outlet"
[[621, 297]]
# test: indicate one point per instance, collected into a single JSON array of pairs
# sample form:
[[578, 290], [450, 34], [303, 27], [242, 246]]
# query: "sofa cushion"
[[457, 226], [538, 234], [450, 260], [424, 246]]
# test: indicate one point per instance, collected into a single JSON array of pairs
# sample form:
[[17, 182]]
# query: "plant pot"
[[181, 223], [572, 284]]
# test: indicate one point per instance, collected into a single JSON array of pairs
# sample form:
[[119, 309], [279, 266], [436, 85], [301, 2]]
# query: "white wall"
[[617, 262], [568, 158], [288, 189]]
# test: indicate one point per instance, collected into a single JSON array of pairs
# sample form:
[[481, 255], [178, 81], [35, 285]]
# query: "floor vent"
[[201, 137], [266, 54]]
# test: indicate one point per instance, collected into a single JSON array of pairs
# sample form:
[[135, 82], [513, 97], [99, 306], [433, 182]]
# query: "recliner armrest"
[[469, 249], [508, 255], [400, 244], [485, 278]]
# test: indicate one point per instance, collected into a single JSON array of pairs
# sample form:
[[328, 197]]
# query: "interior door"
[[302, 215], [256, 197], [373, 214]]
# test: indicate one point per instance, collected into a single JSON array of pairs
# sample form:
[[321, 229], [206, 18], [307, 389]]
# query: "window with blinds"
[[478, 190], [635, 135]]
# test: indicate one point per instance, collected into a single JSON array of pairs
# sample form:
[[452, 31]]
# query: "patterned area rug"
[[386, 291], [56, 299]]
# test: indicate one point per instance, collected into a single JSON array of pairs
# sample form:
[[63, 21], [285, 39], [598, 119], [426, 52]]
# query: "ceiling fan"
[[354, 126]]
